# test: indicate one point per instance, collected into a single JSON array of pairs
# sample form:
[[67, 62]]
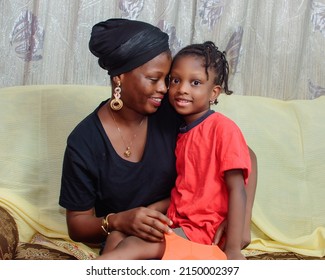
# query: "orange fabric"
[[179, 248]]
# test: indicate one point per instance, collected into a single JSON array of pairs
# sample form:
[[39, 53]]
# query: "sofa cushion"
[[29, 251], [281, 256], [67, 246], [288, 139], [8, 235], [35, 124]]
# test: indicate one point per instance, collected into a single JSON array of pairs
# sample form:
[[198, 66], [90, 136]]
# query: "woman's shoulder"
[[86, 126]]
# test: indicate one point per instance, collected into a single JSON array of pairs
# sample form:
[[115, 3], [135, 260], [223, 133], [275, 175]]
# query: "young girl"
[[212, 157], [212, 161]]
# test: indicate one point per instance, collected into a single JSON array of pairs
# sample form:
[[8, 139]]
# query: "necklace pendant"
[[127, 152]]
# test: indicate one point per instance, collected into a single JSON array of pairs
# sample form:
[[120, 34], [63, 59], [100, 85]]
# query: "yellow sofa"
[[287, 137]]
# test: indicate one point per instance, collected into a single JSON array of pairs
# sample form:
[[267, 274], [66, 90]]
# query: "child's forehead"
[[192, 69], [192, 56], [189, 59]]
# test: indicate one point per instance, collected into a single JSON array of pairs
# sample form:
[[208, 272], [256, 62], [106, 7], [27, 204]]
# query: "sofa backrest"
[[34, 124], [288, 138]]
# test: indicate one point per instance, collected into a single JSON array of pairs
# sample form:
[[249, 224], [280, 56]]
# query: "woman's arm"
[[143, 222], [84, 226]]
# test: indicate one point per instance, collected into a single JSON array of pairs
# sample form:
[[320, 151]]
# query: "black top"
[[94, 175]]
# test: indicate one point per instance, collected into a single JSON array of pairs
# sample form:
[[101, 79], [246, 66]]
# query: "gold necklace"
[[127, 153]]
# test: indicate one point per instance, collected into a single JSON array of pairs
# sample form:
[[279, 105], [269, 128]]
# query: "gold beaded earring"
[[117, 104]]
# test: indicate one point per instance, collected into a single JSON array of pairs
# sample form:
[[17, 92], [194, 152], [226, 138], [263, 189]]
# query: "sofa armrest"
[[8, 235]]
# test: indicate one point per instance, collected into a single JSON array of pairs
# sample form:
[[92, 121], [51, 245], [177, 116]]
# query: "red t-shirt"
[[199, 200]]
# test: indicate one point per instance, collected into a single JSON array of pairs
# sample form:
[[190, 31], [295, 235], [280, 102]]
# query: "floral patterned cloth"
[[274, 48], [39, 248], [8, 235]]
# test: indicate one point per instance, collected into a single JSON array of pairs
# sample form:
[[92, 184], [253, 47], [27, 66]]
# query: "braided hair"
[[214, 59]]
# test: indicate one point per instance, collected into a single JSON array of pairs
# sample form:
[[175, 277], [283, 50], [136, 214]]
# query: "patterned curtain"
[[276, 48]]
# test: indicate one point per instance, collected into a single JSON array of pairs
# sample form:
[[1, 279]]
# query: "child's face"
[[190, 90]]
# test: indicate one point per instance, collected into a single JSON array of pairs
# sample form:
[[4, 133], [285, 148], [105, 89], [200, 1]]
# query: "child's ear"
[[215, 93]]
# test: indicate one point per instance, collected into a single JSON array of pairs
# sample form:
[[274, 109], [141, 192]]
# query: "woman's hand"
[[142, 222]]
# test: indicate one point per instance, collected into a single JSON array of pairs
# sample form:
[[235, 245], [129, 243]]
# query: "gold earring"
[[117, 104]]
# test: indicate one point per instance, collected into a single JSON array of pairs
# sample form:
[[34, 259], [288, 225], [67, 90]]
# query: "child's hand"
[[234, 255], [220, 236]]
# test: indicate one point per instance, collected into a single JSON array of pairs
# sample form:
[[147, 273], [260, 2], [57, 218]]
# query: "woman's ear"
[[116, 80], [215, 93]]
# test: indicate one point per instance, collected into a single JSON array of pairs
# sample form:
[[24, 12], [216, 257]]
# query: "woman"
[[119, 164]]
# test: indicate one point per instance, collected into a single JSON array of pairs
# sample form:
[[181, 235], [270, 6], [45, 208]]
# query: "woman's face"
[[144, 87]]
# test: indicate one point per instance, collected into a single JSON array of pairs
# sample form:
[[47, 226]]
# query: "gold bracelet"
[[105, 224]]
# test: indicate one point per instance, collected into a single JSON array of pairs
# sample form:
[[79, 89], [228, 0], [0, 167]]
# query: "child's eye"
[[196, 83], [174, 81], [153, 79]]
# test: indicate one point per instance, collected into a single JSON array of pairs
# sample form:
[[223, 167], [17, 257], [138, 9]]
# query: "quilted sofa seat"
[[287, 137]]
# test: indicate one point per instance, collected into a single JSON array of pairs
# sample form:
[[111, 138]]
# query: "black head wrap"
[[122, 45]]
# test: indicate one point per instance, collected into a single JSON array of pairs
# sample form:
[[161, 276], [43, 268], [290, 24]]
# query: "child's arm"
[[250, 194], [236, 213]]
